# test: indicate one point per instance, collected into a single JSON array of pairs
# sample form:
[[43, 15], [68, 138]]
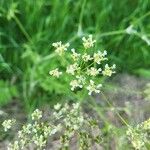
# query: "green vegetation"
[[29, 27]]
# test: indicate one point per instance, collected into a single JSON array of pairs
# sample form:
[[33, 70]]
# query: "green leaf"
[[143, 72], [7, 92]]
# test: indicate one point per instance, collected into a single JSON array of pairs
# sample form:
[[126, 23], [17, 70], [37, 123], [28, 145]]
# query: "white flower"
[[60, 48], [76, 106], [56, 129], [22, 142], [57, 115], [130, 30], [79, 82], [46, 130], [55, 73], [74, 84], [75, 55], [93, 88], [99, 56], [36, 115], [39, 140], [14, 146], [81, 79], [57, 106], [26, 129], [93, 71], [72, 68], [135, 138], [7, 124], [108, 71], [36, 127], [86, 57], [146, 124], [89, 42]]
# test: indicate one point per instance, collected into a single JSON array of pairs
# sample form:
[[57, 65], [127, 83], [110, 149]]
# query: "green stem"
[[22, 28], [81, 18], [117, 113], [97, 109], [48, 57], [112, 33], [142, 17], [88, 66]]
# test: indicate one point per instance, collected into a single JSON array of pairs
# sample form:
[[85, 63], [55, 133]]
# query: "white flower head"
[[93, 88], [74, 84], [146, 124], [39, 141], [93, 71], [56, 129], [14, 146], [36, 115], [81, 79], [88, 42], [7, 124], [99, 56], [25, 129], [75, 56], [57, 106], [55, 73], [86, 57], [78, 82], [47, 130], [72, 68], [108, 71], [60, 48], [135, 138], [76, 106]]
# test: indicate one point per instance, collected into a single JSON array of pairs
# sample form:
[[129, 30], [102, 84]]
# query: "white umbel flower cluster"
[[75, 83], [57, 106], [85, 67], [99, 56], [72, 68], [93, 88], [60, 48], [88, 42], [139, 135], [14, 146], [86, 57], [75, 56], [68, 121], [55, 73], [93, 71], [7, 124], [36, 115], [108, 71]]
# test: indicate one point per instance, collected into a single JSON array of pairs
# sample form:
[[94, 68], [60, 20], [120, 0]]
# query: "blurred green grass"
[[29, 27]]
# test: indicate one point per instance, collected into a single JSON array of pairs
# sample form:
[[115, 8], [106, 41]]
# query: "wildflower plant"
[[83, 72], [82, 68], [139, 136], [66, 121]]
